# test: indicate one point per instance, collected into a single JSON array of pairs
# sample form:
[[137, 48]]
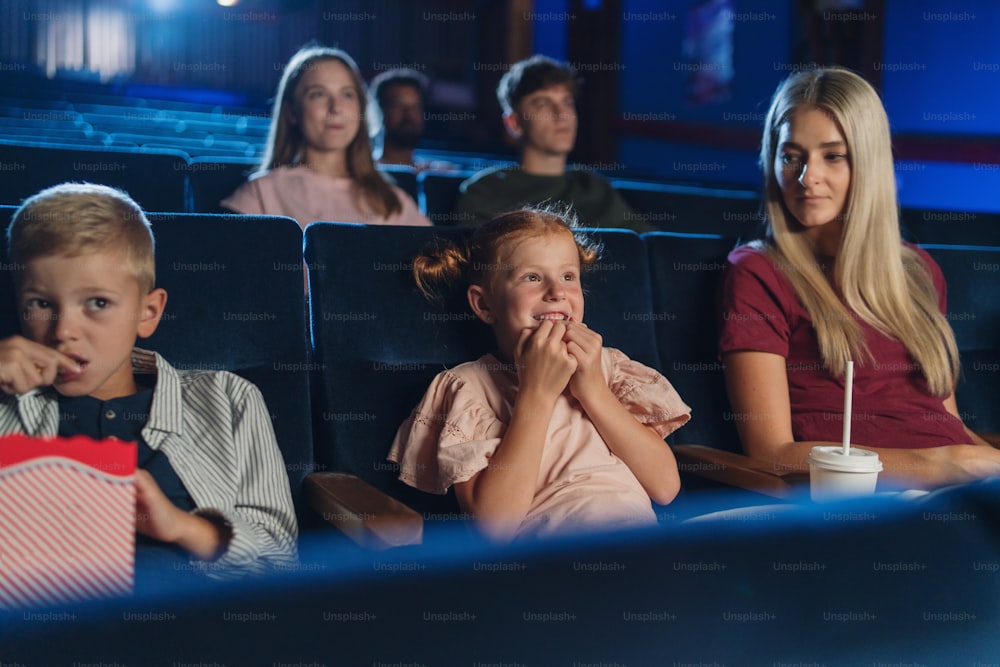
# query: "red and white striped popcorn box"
[[67, 520]]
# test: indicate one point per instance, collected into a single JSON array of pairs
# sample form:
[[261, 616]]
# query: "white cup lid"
[[832, 458]]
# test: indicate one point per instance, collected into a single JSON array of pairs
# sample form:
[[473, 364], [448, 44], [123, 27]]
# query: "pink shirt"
[[892, 405], [453, 432], [307, 196]]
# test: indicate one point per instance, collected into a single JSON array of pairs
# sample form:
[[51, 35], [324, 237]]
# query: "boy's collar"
[[144, 362]]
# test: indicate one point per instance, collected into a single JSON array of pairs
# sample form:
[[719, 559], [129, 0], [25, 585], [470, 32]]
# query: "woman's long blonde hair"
[[886, 283], [285, 141]]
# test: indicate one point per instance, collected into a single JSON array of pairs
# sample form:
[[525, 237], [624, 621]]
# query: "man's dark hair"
[[397, 77], [535, 73]]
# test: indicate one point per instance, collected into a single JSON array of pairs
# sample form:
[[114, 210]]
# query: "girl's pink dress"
[[460, 421]]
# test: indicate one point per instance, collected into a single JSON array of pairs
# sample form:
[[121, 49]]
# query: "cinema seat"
[[694, 209], [439, 194], [950, 227], [212, 179], [973, 277], [155, 179], [404, 177], [685, 271]]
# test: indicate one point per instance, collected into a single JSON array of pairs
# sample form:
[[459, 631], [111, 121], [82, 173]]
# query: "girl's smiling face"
[[536, 278]]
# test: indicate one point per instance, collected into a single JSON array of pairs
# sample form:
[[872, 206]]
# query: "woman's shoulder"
[[752, 258], [751, 254]]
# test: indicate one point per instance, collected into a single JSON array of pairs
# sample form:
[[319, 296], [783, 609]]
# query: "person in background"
[[400, 96], [318, 164], [538, 97]]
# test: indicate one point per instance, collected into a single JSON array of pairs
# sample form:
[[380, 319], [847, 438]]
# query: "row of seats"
[[218, 134], [166, 180], [340, 382]]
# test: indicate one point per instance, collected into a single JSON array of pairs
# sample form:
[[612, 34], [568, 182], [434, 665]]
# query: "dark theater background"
[[170, 100]]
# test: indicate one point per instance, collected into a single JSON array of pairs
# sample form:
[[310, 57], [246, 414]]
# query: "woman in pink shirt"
[[318, 165], [553, 432]]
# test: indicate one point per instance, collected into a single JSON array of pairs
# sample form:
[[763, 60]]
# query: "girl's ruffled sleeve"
[[647, 394], [448, 437]]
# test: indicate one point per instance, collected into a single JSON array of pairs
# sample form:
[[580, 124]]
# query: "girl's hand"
[[543, 362], [585, 345]]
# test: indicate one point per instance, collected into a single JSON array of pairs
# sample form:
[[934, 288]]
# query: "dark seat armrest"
[[368, 516], [738, 470], [992, 438]]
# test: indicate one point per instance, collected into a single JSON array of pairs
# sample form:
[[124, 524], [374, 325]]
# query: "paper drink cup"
[[834, 475]]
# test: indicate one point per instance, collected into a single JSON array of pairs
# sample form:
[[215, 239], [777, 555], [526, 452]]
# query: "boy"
[[538, 96], [211, 486]]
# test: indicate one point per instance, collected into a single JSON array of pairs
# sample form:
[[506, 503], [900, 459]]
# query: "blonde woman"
[[318, 164], [833, 282]]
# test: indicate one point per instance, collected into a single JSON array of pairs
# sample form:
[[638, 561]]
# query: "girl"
[[553, 431], [318, 164], [832, 282]]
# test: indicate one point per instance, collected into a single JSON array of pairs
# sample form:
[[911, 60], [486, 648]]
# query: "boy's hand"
[[155, 515], [585, 345], [25, 365], [160, 519]]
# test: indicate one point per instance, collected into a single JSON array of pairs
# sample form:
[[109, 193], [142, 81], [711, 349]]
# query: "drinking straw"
[[848, 390]]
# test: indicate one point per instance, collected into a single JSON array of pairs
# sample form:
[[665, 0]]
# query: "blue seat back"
[[685, 270], [439, 194], [155, 179], [694, 209], [973, 277], [950, 227], [212, 179], [236, 303]]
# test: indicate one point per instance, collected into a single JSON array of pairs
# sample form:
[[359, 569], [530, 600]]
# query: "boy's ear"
[[479, 304], [150, 312], [512, 123]]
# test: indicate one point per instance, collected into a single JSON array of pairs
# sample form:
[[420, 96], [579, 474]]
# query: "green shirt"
[[498, 190]]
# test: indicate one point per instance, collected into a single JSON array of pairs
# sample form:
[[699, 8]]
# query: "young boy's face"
[[89, 307], [546, 120]]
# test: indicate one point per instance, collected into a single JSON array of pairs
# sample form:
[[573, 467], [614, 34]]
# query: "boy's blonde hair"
[[77, 218]]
